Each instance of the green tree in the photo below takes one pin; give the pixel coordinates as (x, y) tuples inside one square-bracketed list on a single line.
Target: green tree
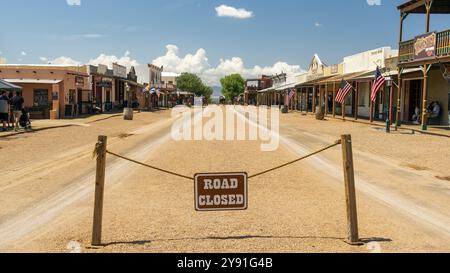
[(192, 83), (232, 86), (207, 92)]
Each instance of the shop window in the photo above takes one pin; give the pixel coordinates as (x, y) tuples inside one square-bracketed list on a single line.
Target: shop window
[(363, 95), (40, 98)]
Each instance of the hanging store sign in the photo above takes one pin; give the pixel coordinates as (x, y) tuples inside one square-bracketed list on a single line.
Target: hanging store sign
[(221, 192), (334, 69), (425, 46), (79, 80)]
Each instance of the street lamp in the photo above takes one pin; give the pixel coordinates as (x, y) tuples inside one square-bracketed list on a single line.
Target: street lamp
[(128, 111), (127, 91), (390, 85)]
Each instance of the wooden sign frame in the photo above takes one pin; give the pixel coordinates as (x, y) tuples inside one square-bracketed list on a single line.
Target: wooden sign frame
[(224, 191)]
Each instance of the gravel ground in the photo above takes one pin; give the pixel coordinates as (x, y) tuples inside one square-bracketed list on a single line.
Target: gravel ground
[(297, 209)]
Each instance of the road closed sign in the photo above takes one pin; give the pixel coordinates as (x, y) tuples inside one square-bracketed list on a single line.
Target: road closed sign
[(221, 191)]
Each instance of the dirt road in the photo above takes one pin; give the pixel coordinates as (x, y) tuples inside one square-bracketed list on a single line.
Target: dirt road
[(48, 202)]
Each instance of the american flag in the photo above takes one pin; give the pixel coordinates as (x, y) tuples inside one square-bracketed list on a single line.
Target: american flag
[(378, 83), (343, 91), (292, 94), (158, 92)]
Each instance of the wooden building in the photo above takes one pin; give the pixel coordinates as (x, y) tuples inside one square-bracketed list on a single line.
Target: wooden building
[(429, 52), (323, 82), (253, 86)]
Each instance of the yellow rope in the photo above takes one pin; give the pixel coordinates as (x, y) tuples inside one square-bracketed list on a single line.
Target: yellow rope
[(338, 142), (149, 166)]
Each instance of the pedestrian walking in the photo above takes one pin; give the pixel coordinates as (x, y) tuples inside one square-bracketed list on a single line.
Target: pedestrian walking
[(17, 104), (4, 110)]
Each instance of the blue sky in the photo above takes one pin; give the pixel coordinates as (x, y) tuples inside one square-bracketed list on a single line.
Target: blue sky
[(287, 32)]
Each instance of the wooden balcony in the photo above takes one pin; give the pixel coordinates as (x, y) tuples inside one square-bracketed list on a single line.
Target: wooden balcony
[(406, 49)]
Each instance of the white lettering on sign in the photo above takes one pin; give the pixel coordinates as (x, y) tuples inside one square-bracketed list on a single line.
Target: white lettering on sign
[(221, 200), (218, 184), (220, 192)]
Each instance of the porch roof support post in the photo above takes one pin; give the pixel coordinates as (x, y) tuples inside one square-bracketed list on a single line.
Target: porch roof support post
[(425, 98), (334, 99), (314, 99), (371, 102), (356, 100), (428, 5), (326, 98)]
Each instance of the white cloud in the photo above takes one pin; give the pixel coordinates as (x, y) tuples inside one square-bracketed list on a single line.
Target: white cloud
[(317, 24), (76, 37), (73, 2), (228, 11), (23, 53), (110, 59), (64, 61), (198, 63), (374, 2), (43, 59), (193, 63)]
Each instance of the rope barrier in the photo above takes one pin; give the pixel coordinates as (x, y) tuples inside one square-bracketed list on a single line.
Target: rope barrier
[(338, 142), (151, 167)]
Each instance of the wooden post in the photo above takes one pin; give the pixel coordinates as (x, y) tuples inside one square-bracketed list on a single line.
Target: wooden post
[(334, 99), (399, 94), (296, 100), (99, 191), (391, 104), (326, 99), (306, 99), (425, 98), (371, 103), (428, 5), (356, 100), (350, 191), (314, 100)]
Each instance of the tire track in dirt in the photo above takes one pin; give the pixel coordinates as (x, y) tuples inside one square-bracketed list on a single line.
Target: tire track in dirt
[(426, 216), (27, 225), (26, 174)]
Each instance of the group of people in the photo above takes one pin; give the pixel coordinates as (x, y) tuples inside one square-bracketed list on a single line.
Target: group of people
[(10, 110), (433, 111)]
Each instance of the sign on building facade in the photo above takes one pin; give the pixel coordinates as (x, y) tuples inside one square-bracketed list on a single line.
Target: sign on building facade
[(425, 46)]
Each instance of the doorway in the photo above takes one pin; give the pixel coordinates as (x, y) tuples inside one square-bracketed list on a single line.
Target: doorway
[(80, 101), (415, 98)]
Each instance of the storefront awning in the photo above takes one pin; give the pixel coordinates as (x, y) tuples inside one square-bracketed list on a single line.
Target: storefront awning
[(270, 89), (370, 75), (346, 77), (287, 86), (4, 85), (314, 82), (19, 81)]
